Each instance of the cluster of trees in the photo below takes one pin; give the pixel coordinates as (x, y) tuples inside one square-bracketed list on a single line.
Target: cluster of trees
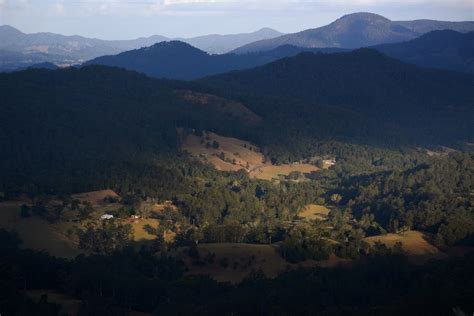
[(130, 280), (435, 196), (105, 237)]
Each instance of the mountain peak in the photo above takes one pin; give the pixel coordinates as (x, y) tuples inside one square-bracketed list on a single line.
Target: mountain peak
[(173, 46), (360, 29), (267, 31), (366, 16), (9, 30), (172, 43)]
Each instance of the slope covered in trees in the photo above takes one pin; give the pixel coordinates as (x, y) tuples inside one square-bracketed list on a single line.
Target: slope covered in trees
[(64, 125), (361, 96), (178, 60), (438, 49), (72, 130)]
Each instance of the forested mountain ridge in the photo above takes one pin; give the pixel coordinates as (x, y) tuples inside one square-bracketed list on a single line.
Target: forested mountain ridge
[(179, 60), (445, 49), (357, 30), (362, 95), (357, 97), (438, 49)]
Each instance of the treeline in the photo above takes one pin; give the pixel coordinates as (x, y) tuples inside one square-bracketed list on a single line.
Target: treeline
[(129, 280), (75, 130), (436, 197), (360, 96)]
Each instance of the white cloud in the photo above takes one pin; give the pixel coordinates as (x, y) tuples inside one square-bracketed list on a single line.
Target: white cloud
[(58, 9), (207, 7)]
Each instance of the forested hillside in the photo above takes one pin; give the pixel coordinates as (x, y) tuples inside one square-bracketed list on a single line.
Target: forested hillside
[(70, 128), (438, 49), (178, 60), (360, 96), (353, 117)]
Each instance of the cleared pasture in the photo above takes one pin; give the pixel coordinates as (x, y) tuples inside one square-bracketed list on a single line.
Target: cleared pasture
[(414, 243), (233, 154), (314, 211)]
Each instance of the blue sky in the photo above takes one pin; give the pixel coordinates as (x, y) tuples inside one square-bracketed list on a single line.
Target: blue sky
[(123, 19)]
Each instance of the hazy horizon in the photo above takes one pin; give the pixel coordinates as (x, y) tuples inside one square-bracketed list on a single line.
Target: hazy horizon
[(190, 18)]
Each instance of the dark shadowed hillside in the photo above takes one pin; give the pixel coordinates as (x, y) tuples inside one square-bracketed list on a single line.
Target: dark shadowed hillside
[(438, 49), (370, 96), (87, 122), (173, 59)]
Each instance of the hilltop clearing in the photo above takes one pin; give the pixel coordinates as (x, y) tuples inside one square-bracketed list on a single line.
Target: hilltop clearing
[(232, 154)]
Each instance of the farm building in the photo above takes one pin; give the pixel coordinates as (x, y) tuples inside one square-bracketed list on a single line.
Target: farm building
[(106, 216)]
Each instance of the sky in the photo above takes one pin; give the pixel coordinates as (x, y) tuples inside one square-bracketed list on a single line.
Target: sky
[(127, 19)]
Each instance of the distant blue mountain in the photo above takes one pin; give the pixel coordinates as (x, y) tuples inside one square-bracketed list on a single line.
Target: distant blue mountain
[(355, 31)]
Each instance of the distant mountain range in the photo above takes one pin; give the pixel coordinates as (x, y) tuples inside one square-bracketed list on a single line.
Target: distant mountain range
[(446, 49), (221, 44), (357, 30), (410, 41), (178, 60), (28, 49), (438, 49)]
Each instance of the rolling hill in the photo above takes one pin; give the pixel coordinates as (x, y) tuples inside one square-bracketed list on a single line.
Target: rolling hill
[(355, 31), (438, 49), (362, 95), (178, 60)]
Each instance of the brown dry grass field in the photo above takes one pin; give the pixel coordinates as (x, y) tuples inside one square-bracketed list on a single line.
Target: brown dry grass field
[(239, 154), (139, 233), (270, 172), (416, 244), (314, 211)]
